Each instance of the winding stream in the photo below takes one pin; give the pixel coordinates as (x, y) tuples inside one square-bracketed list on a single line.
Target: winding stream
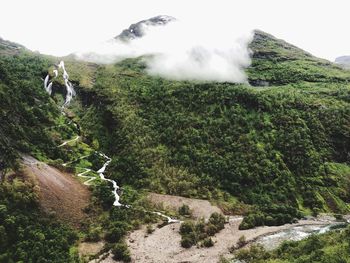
[(69, 95), (114, 183), (66, 142)]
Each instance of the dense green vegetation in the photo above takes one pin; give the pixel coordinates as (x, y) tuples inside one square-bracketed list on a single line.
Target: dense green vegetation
[(276, 149), (26, 235), (30, 124), (24, 105), (276, 62), (283, 150), (200, 233), (330, 247)]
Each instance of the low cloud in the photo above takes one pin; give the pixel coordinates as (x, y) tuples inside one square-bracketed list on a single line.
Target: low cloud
[(184, 50)]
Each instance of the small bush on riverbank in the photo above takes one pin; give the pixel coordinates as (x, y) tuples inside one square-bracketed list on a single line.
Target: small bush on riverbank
[(208, 242), (121, 252), (149, 229), (200, 232), (184, 210)]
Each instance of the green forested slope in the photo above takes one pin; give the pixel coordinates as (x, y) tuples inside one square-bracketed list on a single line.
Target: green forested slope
[(283, 149), (25, 107), (275, 149), (277, 62), (28, 124)]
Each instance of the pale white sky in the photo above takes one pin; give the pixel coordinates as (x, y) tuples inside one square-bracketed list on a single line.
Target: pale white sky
[(61, 27)]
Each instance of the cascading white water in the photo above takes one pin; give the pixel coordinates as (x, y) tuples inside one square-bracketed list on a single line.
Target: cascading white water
[(114, 183), (90, 178), (47, 87), (69, 86), (99, 172)]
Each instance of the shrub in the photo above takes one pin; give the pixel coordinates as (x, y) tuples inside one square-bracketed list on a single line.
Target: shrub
[(184, 210), (186, 228), (149, 229), (218, 220), (93, 235), (120, 251), (200, 232), (188, 241), (116, 232), (241, 242), (208, 242), (211, 229)]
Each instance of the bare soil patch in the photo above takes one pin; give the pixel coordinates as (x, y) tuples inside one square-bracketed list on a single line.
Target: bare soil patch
[(90, 248), (59, 193), (199, 207)]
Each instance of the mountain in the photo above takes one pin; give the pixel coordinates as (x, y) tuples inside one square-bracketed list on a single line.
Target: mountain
[(274, 150), (138, 29), (10, 47), (343, 61), (276, 62)]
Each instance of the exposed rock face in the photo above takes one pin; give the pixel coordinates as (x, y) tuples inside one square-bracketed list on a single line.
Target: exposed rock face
[(343, 61), (138, 30)]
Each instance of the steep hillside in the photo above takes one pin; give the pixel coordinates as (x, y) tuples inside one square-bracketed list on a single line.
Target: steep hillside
[(276, 62), (279, 149), (274, 150), (36, 201), (26, 233), (59, 193), (39, 204), (10, 48), (25, 107)]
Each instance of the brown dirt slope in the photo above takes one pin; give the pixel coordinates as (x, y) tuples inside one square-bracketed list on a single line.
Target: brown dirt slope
[(59, 192)]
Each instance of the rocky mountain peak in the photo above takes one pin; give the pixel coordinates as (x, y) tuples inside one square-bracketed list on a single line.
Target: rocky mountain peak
[(138, 29)]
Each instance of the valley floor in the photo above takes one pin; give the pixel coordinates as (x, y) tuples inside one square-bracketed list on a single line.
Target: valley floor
[(64, 195), (163, 245)]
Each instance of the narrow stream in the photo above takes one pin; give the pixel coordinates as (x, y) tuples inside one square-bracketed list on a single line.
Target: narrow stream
[(69, 95)]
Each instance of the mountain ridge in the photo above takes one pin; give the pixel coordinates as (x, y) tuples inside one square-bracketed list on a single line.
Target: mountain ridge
[(137, 30), (273, 151)]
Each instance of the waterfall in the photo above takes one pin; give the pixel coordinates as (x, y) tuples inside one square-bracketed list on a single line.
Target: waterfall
[(100, 172), (70, 92)]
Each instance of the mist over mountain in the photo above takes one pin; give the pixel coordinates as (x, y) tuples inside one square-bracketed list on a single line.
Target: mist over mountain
[(343, 61), (180, 50)]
